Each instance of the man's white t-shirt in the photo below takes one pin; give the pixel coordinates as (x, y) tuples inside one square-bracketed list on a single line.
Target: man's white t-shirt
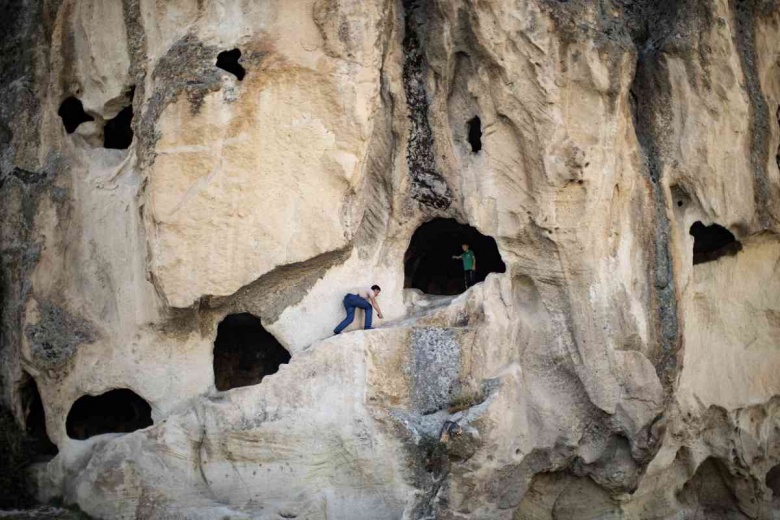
[(367, 293)]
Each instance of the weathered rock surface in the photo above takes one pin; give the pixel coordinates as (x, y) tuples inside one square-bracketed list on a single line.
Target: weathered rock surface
[(607, 373)]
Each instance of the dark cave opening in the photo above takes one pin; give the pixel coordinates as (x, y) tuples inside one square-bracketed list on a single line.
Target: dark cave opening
[(777, 155), (475, 134), (711, 491), (773, 481), (118, 132), (244, 352), (72, 113), (116, 411), (712, 242), (35, 419), (228, 61), (428, 262)]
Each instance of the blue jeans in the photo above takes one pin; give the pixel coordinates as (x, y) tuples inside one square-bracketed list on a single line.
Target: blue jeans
[(352, 301)]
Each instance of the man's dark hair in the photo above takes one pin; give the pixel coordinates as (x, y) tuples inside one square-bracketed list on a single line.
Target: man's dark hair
[(376, 288)]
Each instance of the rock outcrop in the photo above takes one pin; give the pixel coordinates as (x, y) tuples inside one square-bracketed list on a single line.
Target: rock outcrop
[(165, 165)]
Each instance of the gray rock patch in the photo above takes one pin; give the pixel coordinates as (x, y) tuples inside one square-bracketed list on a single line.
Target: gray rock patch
[(435, 368), (57, 335)]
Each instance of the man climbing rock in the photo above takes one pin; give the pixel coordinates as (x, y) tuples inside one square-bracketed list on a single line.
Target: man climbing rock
[(366, 300), (469, 265)]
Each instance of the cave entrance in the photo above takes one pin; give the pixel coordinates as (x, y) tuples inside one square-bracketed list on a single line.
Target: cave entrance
[(118, 132), (773, 481), (711, 492), (72, 113), (228, 61), (712, 242), (428, 263), (35, 418), (116, 411), (244, 352), (475, 134)]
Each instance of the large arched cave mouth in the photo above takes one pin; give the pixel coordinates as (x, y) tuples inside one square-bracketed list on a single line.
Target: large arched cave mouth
[(712, 242), (35, 419), (116, 411), (244, 352), (428, 263)]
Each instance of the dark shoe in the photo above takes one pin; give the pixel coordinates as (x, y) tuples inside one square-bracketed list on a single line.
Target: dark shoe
[(368, 328)]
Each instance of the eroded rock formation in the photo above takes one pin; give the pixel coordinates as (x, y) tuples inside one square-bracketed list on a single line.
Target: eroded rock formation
[(165, 165)]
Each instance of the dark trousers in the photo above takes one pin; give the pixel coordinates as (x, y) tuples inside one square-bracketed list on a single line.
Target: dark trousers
[(471, 277), (351, 302)]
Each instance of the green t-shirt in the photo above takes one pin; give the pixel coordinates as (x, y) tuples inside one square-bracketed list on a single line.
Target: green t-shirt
[(468, 260)]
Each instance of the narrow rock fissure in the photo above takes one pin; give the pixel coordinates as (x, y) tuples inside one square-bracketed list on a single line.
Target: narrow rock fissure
[(228, 61), (475, 134), (777, 155), (72, 113), (35, 419), (428, 185), (244, 352), (116, 411), (429, 264)]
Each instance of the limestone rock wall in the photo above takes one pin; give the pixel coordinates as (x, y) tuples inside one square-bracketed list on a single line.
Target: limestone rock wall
[(607, 373)]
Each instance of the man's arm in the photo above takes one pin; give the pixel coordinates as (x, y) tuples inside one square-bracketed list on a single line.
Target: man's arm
[(375, 305)]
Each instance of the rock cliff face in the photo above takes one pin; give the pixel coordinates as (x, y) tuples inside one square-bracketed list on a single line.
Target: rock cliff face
[(190, 187)]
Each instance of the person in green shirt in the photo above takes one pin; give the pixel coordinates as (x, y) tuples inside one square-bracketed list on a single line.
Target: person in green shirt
[(469, 265)]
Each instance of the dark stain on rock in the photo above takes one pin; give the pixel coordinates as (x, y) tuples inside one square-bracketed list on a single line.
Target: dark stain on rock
[(745, 13), (650, 104), (56, 336), (136, 42), (435, 368), (28, 177), (272, 293), (187, 68), (428, 185)]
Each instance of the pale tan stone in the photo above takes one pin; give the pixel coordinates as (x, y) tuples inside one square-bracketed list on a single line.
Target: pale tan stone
[(601, 375)]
